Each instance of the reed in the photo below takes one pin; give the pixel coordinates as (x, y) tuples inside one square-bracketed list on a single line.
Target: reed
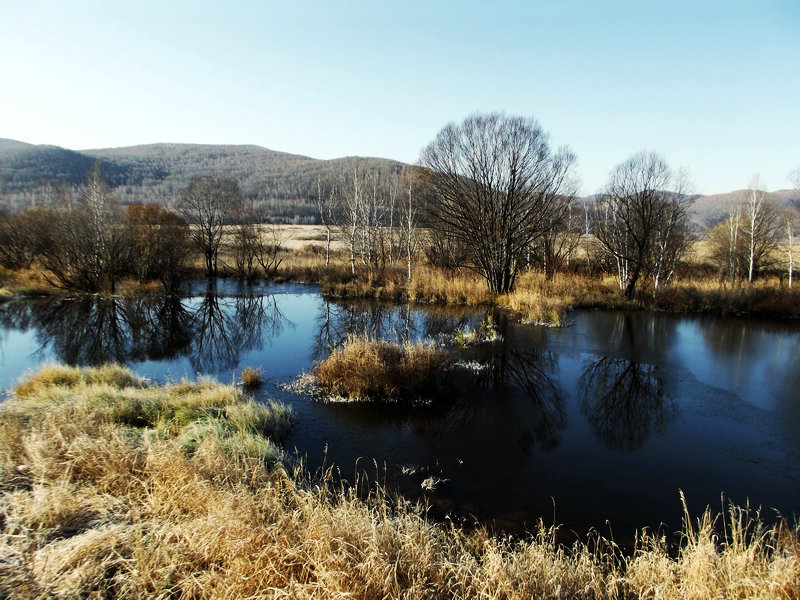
[(93, 508)]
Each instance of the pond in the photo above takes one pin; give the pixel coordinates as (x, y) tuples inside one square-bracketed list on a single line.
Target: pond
[(598, 425)]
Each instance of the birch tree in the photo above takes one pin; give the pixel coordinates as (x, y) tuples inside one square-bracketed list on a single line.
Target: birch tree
[(788, 227), (760, 227), (327, 207)]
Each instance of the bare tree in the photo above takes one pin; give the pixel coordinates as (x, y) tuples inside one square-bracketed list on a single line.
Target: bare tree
[(351, 213), (207, 204), (726, 245), (761, 227), (641, 220), (794, 178), (789, 218), (495, 184), (84, 243), (553, 250), (409, 212), (19, 240), (327, 209), (160, 245)]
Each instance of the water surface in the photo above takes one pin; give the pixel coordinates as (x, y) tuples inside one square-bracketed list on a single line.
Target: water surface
[(595, 425)]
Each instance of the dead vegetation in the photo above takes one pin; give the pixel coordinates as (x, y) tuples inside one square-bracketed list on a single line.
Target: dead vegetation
[(367, 369), (102, 497)]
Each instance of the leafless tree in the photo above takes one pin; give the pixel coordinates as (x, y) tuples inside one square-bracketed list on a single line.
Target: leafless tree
[(19, 238), (794, 178), (255, 252), (207, 204), (351, 213), (495, 184), (408, 216), (85, 245), (160, 246), (726, 245), (327, 205), (760, 227), (641, 220), (554, 249), (789, 218)]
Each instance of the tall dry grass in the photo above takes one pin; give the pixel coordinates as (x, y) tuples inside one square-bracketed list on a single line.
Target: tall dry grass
[(94, 507), (368, 369)]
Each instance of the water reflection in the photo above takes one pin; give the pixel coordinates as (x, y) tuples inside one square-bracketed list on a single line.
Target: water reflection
[(531, 373), (224, 328), (212, 331), (337, 320), (624, 401)]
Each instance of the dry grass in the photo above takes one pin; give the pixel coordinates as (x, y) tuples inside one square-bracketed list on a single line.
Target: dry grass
[(536, 298), (365, 369), (251, 377), (92, 508), (24, 282)]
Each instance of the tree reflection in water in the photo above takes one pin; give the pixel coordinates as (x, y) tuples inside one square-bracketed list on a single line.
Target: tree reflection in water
[(531, 371), (376, 320), (624, 401), (86, 330), (91, 330), (226, 327)]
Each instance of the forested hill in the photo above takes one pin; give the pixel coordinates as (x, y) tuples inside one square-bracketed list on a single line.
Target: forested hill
[(281, 185)]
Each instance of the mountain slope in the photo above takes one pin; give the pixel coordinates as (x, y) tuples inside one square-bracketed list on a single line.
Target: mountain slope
[(707, 211), (280, 184)]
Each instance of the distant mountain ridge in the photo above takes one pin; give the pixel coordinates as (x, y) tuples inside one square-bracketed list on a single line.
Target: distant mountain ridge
[(280, 184)]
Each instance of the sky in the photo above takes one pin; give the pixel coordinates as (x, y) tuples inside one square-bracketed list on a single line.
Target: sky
[(713, 86)]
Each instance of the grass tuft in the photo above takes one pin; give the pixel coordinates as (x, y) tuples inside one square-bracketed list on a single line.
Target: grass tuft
[(366, 369), (251, 377)]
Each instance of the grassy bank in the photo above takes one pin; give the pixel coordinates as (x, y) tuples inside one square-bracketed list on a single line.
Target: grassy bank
[(538, 299), (115, 489)]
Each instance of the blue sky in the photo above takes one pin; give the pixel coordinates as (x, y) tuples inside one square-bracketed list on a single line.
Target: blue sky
[(713, 86)]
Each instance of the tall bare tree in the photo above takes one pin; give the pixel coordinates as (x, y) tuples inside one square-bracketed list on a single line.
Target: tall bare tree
[(409, 215), (641, 220), (207, 204), (760, 227), (85, 244), (327, 207), (495, 184), (789, 218)]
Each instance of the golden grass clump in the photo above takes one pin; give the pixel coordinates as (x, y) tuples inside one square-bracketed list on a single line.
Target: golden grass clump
[(107, 512), (366, 369), (251, 377)]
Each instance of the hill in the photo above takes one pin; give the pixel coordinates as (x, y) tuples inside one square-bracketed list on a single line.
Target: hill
[(707, 211), (280, 184)]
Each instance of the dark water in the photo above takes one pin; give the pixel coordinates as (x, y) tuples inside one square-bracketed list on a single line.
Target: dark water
[(596, 425)]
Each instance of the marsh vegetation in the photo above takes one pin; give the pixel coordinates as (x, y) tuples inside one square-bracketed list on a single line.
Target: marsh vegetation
[(118, 489)]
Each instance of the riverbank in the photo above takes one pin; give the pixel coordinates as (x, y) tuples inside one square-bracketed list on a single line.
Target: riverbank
[(115, 488), (542, 300), (535, 299)]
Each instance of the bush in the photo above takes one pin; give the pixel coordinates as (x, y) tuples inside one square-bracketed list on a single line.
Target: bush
[(366, 369)]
